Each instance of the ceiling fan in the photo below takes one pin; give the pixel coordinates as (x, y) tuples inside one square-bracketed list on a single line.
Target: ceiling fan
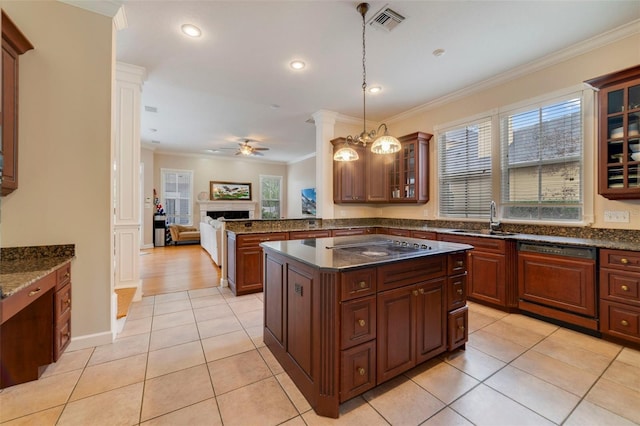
[(246, 149)]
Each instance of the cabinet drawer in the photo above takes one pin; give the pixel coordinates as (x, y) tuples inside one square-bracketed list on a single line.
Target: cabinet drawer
[(62, 301), (63, 276), (408, 272), (620, 259), (479, 243), (425, 235), (358, 321), (358, 283), (457, 323), (62, 335), (620, 286), (457, 263), (355, 231), (253, 240), (302, 235), (398, 232), (20, 300), (620, 320), (456, 292), (357, 370)]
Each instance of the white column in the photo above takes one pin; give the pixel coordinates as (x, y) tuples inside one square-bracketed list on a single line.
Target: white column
[(126, 177), (325, 122)]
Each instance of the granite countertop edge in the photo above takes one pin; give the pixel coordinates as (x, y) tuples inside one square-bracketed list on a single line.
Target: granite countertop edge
[(12, 282), (550, 239)]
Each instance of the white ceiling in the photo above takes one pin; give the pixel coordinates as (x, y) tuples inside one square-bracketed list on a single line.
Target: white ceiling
[(213, 91)]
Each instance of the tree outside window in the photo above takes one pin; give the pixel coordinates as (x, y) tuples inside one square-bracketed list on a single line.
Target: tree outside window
[(270, 197)]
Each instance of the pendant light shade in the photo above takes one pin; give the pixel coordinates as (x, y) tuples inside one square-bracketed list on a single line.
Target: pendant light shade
[(346, 153), (385, 144)]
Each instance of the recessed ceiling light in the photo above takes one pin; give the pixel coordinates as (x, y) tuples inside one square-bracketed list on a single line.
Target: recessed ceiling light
[(191, 30), (154, 141), (375, 89), (438, 52), (274, 106), (297, 65), (153, 130)]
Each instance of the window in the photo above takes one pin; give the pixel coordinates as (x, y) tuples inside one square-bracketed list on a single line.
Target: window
[(177, 190), (270, 197), (464, 177), (542, 161)]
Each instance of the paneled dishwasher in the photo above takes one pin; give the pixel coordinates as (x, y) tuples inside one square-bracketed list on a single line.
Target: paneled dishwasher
[(558, 282)]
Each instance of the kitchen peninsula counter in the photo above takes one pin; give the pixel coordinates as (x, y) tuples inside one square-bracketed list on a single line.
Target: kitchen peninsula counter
[(345, 314)]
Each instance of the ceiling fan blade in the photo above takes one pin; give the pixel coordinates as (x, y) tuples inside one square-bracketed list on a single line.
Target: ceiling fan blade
[(238, 153), (259, 154), (261, 149)]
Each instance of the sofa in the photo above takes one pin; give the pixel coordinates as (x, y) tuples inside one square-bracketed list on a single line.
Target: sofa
[(184, 234), (211, 238)]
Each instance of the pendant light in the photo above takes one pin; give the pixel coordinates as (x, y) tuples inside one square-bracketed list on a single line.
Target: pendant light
[(384, 144)]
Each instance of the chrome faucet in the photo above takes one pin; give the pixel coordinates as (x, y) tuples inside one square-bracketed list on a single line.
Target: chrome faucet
[(493, 222)]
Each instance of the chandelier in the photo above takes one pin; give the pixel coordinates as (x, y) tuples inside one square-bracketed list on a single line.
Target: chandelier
[(384, 144)]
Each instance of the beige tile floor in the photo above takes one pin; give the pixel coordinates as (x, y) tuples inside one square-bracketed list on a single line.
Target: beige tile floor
[(197, 358)]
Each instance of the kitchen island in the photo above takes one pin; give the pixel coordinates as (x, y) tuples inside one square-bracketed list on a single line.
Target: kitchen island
[(344, 314)]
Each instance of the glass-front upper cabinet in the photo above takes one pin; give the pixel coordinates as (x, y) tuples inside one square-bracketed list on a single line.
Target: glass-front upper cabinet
[(408, 172), (619, 136)]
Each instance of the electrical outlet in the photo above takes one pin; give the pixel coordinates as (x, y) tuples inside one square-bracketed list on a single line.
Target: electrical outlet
[(616, 216)]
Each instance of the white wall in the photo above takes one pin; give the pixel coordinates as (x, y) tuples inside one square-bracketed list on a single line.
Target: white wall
[(300, 175), (571, 72), (208, 168), (65, 148)]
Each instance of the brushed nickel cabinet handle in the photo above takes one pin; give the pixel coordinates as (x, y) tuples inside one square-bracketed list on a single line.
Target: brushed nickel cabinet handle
[(415, 292), (421, 291), (624, 288), (460, 263), (33, 292), (67, 302), (624, 260), (361, 323), (461, 328), (624, 323), (362, 284), (67, 274), (361, 371)]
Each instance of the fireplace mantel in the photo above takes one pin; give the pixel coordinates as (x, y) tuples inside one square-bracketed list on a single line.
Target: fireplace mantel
[(206, 206)]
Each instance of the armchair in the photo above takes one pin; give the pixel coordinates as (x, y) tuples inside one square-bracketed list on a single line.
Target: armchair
[(181, 233)]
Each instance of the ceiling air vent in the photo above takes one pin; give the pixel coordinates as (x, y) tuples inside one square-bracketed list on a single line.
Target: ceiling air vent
[(148, 108), (386, 19)]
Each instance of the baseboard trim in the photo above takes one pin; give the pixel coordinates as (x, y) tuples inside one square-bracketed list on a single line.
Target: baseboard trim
[(147, 246), (90, 341)]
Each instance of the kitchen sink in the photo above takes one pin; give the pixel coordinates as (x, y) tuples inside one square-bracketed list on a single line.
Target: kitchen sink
[(483, 232)]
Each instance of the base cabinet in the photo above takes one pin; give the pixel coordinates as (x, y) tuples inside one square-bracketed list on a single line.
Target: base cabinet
[(339, 334), (620, 294), (492, 272), (36, 327)]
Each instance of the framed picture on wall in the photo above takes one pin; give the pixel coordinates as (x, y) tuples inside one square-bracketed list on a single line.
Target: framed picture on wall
[(309, 201), (229, 191)]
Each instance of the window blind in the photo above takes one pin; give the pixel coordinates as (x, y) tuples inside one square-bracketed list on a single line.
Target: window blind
[(464, 177), (542, 169), (177, 190)]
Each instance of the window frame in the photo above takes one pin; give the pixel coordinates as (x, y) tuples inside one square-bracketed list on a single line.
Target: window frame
[(280, 190), (163, 198)]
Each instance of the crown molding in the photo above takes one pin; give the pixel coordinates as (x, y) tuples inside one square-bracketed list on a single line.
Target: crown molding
[(622, 32), (103, 7), (130, 73), (299, 159)]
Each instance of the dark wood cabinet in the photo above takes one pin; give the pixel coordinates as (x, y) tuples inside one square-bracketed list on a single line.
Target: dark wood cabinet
[(305, 235), (35, 328), (244, 260), (409, 170), (14, 44), (619, 134), (425, 235), (340, 333), (402, 177), (620, 294), (491, 267), (351, 231), (349, 176)]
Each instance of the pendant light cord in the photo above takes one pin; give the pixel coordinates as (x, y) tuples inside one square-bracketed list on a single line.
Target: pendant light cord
[(363, 12)]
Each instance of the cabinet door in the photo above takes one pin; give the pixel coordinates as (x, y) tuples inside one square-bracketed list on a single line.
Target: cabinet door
[(458, 328), (349, 176), (396, 332), (9, 118), (248, 270), (377, 177), (408, 172), (431, 319), (487, 276)]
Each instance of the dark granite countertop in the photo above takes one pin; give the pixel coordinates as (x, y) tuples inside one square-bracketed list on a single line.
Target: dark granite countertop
[(22, 266), (341, 253), (619, 239)]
